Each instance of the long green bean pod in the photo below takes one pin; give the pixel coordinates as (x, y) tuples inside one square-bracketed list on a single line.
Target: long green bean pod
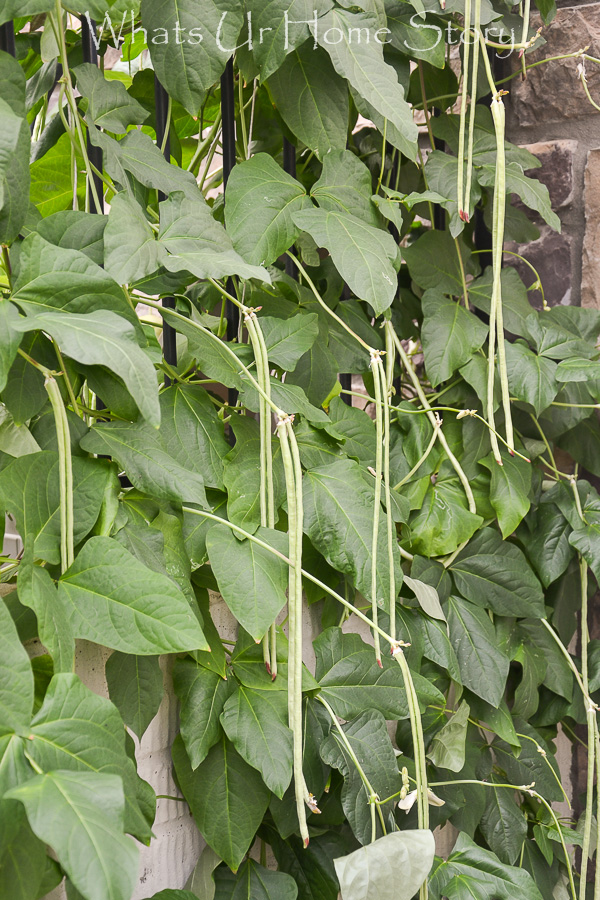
[(387, 387), (498, 114), (463, 208), (294, 621), (473, 107), (65, 472), (378, 379)]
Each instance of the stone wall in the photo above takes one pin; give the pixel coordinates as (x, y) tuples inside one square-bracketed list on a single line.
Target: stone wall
[(549, 113)]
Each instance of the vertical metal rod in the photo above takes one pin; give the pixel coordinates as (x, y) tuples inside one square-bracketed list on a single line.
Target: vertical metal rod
[(7, 38), (161, 101), (90, 55), (228, 142), (228, 139)]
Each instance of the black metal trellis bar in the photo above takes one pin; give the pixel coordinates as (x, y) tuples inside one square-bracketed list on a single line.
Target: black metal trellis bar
[(7, 38), (228, 143), (161, 102), (90, 55), (482, 236)]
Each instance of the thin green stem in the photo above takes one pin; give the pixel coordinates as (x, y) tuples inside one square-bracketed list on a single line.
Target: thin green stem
[(424, 456), (290, 562), (322, 303), (373, 799), (431, 415)]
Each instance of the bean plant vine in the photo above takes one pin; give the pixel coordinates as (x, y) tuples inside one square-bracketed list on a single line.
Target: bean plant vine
[(276, 438)]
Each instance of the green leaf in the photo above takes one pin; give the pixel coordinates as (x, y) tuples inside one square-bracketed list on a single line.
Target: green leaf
[(389, 209), (409, 35), (37, 591), (531, 378), (135, 686), (531, 764), (252, 580), (433, 263), (346, 186), (190, 239), (192, 433), (450, 335), (392, 868), (143, 453), (241, 475), (80, 815), (22, 855), (187, 66), (479, 872), (292, 399), (281, 27), (16, 677), (136, 154), (104, 339), (288, 340), (358, 430), (447, 749), (483, 666), (310, 97), (109, 104), (74, 229), (362, 63), (30, 491), (250, 670), (131, 251), (532, 192), (10, 338), (368, 736), (77, 730), (558, 676), (495, 573), (510, 489), (577, 370), (586, 540), (115, 600), (14, 149), (13, 8), (548, 546), (260, 202), (202, 695), (227, 797), (582, 443), (441, 171), (52, 278), (201, 881), (515, 304), (442, 523), (254, 882), (312, 868), (504, 825), (169, 894), (338, 519), (351, 681), (362, 254), (256, 724), (427, 596)]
